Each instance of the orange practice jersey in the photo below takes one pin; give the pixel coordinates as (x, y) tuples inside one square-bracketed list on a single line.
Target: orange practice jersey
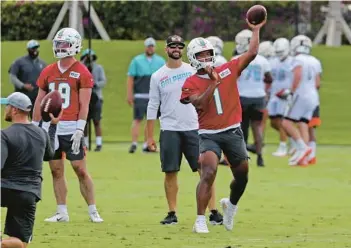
[(68, 84), (224, 110)]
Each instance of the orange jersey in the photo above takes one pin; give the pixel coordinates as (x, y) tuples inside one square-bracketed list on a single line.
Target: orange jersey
[(224, 110), (68, 84)]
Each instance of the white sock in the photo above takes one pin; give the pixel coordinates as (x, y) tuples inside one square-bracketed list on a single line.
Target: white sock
[(292, 143), (145, 145), (86, 141), (135, 143), (99, 141), (300, 144), (201, 218), (62, 209), (92, 209), (313, 145), (283, 144)]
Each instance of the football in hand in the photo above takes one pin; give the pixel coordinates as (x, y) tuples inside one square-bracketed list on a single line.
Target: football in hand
[(51, 103), (256, 14)]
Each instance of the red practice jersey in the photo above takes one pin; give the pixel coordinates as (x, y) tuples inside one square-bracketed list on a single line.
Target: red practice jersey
[(224, 110), (68, 84)]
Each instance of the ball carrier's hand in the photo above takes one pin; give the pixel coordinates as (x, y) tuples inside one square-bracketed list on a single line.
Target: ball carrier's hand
[(258, 26), (212, 74)]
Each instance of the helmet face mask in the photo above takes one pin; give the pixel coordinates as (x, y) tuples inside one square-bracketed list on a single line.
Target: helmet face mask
[(242, 40), (67, 43), (281, 48), (200, 53)]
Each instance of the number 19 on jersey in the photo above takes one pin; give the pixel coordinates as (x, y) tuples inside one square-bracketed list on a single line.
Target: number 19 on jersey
[(65, 91)]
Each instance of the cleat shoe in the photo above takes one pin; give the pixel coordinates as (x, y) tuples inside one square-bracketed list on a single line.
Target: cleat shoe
[(95, 217), (215, 218), (229, 211), (200, 226), (98, 149), (58, 218), (132, 148), (170, 219)]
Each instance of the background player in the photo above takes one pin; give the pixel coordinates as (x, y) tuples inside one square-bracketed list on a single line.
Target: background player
[(282, 79), (138, 86), (218, 46), (304, 101), (252, 90), (73, 80), (214, 93), (23, 148), (179, 125)]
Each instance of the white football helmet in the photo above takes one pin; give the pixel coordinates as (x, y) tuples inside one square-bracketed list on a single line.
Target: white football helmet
[(199, 45), (67, 42), (217, 43), (242, 40), (301, 44), (281, 48), (266, 49)]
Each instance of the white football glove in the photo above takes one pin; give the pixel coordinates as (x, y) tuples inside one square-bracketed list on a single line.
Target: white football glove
[(77, 140)]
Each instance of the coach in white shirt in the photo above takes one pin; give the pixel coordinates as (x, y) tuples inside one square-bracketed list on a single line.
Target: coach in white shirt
[(179, 125)]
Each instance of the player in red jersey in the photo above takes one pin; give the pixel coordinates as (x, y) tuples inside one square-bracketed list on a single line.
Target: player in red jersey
[(73, 80), (214, 93)]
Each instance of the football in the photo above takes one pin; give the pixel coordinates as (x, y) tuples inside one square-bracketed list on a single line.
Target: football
[(51, 103), (256, 14)]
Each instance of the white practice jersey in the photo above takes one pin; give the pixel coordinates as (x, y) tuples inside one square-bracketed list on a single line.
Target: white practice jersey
[(307, 85), (251, 81), (220, 60), (165, 91), (282, 74)]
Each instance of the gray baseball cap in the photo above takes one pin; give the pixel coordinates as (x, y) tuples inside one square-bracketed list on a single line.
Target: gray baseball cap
[(149, 42), (32, 44), (18, 100)]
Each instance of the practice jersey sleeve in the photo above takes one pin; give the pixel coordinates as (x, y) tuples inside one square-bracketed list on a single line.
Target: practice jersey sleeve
[(318, 66), (154, 99), (266, 66), (4, 150), (188, 89), (233, 65), (86, 80), (132, 70)]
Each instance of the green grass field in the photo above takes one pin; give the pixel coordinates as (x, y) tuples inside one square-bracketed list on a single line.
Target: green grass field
[(282, 207), (116, 55)]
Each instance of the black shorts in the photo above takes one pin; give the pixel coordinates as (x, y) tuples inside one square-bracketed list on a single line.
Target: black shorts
[(95, 111), (20, 216), (173, 144), (65, 146), (316, 112), (140, 108), (253, 108), (231, 142)]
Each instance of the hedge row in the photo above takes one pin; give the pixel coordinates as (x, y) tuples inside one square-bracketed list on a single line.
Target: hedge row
[(136, 20)]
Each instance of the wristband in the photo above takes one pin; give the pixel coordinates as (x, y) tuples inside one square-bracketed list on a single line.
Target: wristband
[(81, 124), (36, 123)]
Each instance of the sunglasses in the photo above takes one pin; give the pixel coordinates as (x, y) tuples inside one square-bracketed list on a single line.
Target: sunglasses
[(180, 46)]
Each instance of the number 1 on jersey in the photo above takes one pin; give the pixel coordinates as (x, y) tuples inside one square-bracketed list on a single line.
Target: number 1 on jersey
[(218, 102)]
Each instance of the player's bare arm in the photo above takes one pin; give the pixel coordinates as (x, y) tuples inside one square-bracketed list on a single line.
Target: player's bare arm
[(201, 101), (251, 54), (36, 112), (130, 86)]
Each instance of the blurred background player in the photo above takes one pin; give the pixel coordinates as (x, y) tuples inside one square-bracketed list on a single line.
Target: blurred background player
[(25, 71), (74, 81), (282, 79), (179, 126), (304, 99), (266, 50), (214, 93), (252, 90), (218, 46), (23, 148), (138, 86), (96, 101)]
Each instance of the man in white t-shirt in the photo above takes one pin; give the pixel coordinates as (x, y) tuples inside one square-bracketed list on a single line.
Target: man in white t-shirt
[(252, 90), (179, 126)]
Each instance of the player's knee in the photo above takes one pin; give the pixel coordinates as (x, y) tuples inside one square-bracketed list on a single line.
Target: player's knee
[(57, 173), (96, 123)]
